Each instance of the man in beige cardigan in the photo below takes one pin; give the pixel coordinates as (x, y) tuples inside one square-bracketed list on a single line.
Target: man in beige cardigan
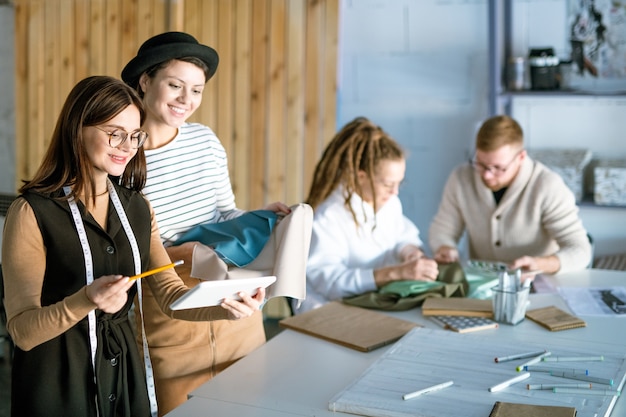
[(514, 210)]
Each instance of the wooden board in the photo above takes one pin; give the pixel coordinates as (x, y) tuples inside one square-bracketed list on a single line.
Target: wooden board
[(454, 306), (353, 327)]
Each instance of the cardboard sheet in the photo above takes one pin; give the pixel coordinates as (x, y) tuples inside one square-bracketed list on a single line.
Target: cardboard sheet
[(353, 327), (454, 306)]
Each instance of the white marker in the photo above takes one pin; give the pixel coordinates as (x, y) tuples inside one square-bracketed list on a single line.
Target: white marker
[(551, 386), (532, 368), (586, 391), (426, 390), (509, 382), (533, 361), (573, 359)]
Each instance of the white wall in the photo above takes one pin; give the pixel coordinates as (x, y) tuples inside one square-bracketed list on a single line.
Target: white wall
[(418, 68), (7, 105)]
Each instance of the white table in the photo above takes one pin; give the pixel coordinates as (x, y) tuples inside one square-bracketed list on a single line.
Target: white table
[(295, 374)]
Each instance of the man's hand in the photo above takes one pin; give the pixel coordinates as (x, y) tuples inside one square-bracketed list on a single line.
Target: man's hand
[(447, 254), (544, 264)]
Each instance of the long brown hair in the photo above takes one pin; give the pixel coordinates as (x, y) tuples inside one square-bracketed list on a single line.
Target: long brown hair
[(359, 146), (92, 101)]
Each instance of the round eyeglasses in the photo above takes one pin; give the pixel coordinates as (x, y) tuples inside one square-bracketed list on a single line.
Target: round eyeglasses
[(495, 170), (118, 136)]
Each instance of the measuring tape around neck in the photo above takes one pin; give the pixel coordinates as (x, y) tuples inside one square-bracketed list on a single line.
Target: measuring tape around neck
[(82, 235)]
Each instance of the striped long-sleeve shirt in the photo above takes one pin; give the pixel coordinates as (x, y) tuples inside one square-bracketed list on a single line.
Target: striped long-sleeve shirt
[(188, 182)]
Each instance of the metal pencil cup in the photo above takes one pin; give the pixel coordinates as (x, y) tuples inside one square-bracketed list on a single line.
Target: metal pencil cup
[(509, 307)]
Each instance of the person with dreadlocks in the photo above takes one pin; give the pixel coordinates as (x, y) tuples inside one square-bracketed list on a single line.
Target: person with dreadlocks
[(361, 240)]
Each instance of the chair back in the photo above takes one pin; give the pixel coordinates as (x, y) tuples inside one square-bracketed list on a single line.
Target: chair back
[(591, 242)]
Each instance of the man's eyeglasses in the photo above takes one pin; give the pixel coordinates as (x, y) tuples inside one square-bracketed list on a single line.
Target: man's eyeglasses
[(118, 136), (495, 169)]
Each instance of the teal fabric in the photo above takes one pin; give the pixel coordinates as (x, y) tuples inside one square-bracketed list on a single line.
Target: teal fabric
[(480, 286), (238, 241)]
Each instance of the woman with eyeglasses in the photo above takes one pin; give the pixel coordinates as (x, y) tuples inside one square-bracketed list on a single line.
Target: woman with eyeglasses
[(79, 229), (514, 210), (361, 239)]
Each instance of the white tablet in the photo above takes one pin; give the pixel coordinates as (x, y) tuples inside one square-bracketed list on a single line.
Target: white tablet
[(211, 293)]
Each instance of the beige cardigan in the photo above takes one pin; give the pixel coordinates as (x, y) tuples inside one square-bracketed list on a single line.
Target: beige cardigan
[(537, 216)]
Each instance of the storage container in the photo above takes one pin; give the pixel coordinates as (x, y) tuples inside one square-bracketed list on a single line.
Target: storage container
[(570, 164), (609, 177)]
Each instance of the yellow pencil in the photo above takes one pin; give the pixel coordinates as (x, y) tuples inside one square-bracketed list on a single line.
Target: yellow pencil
[(156, 270)]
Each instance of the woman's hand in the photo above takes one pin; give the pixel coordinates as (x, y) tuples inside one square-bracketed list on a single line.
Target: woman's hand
[(411, 252), (422, 269), (246, 307), (278, 208), (109, 292)]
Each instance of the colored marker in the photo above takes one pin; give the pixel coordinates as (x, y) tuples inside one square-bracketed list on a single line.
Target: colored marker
[(427, 390), (546, 369), (573, 359), (597, 380), (586, 391), (552, 386), (533, 361), (519, 356), (509, 382)]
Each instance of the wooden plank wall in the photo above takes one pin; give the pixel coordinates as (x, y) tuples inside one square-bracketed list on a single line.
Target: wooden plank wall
[(271, 102)]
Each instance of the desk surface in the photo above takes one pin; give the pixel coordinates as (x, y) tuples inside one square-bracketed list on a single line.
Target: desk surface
[(295, 374)]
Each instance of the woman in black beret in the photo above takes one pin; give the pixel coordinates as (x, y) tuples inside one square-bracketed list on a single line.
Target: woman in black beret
[(188, 184)]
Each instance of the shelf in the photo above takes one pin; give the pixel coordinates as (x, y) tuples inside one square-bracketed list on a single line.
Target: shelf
[(587, 201), (500, 17), (562, 93), (501, 100)]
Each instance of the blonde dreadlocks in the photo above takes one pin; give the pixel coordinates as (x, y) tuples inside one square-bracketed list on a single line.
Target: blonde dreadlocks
[(359, 146)]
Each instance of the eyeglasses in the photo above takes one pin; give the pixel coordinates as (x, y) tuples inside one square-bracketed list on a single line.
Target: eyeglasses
[(494, 170), (118, 136)]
